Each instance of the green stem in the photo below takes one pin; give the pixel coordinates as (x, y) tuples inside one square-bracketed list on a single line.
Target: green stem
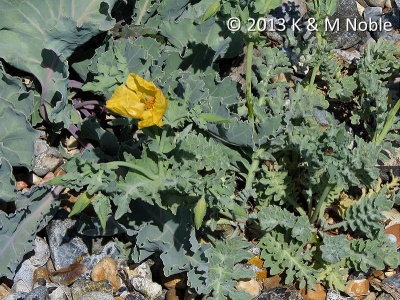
[(116, 164), (378, 138), (314, 74), (161, 149), (299, 209), (249, 63), (253, 168), (321, 202), (334, 226)]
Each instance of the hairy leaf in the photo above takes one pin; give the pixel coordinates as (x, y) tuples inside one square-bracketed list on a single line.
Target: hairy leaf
[(224, 269)]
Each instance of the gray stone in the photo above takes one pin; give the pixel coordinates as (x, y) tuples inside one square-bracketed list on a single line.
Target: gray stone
[(149, 289), (142, 270), (47, 158), (335, 295), (96, 296), (375, 14), (348, 58), (394, 281), (15, 296), (109, 250), (39, 293), (82, 287), (58, 292), (23, 279), (65, 243), (393, 16), (42, 252), (135, 296), (376, 3), (280, 293), (347, 10)]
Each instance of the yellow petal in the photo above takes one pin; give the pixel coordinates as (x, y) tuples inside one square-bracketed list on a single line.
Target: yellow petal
[(139, 99), (140, 85), (125, 102)]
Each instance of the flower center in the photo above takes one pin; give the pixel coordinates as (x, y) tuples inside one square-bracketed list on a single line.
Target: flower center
[(149, 101)]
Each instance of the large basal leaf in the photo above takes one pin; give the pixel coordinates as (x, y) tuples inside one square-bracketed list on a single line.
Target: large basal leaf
[(7, 181), (14, 94), (17, 138), (38, 36), (18, 230)]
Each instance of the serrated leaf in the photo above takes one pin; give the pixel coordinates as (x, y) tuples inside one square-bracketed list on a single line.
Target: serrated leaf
[(335, 248), (160, 231), (124, 56), (102, 207), (46, 38), (281, 255), (224, 270), (81, 203), (365, 213)]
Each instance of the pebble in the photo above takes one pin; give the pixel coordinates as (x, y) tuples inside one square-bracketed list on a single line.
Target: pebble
[(135, 296), (82, 287), (60, 292), (177, 281), (96, 296), (393, 280), (39, 293), (16, 296), (68, 275), (317, 294), (251, 287), (42, 252), (65, 243), (109, 250), (23, 279), (280, 293), (376, 3), (47, 158), (107, 269), (4, 290), (347, 10), (335, 295), (40, 273), (174, 294), (347, 58), (149, 289), (357, 287), (142, 270)]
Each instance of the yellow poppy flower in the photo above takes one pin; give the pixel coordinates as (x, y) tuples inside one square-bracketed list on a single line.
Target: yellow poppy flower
[(139, 99)]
